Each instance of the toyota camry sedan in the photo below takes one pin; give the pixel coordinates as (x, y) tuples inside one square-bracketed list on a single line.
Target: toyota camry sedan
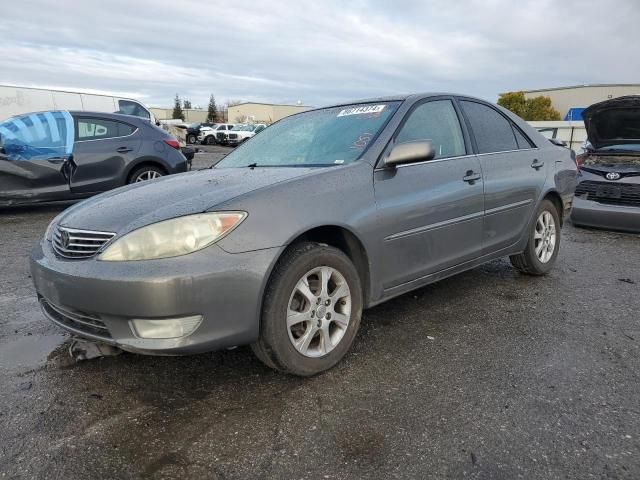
[(284, 243)]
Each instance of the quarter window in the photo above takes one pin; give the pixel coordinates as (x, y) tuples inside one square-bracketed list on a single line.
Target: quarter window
[(523, 142), (493, 132), (436, 121)]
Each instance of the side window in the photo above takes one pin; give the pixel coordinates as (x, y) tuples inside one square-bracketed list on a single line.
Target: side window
[(128, 107), (436, 121), (493, 132), (523, 142), (125, 129), (96, 129)]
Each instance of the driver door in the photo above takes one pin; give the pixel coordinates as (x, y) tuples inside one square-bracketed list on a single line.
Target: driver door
[(34, 157)]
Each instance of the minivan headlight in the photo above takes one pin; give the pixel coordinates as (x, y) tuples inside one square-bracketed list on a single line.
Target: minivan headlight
[(171, 238)]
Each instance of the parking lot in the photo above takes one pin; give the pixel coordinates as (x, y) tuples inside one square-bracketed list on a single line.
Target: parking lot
[(489, 374)]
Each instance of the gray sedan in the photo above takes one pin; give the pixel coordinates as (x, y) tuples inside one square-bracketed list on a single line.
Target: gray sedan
[(285, 241)]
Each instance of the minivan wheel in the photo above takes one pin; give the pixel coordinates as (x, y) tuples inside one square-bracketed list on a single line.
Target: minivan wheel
[(542, 248), (145, 173), (311, 310)]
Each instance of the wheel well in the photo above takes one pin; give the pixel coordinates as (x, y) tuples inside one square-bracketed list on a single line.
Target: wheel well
[(146, 163), (348, 243), (557, 201)]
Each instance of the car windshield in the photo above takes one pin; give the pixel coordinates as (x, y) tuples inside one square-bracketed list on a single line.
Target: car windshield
[(330, 136), (37, 136)]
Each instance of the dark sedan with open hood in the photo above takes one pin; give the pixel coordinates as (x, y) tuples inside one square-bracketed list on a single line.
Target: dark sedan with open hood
[(608, 193)]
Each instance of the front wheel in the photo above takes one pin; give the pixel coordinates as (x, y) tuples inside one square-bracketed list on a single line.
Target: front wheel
[(312, 310), (191, 139), (541, 251), (210, 140)]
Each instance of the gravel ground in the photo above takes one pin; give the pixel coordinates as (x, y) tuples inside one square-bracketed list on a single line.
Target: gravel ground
[(489, 374)]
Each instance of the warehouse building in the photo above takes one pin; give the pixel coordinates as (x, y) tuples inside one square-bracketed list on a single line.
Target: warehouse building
[(250, 112), (570, 101)]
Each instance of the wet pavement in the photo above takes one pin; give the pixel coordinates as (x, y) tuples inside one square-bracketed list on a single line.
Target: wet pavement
[(489, 374)]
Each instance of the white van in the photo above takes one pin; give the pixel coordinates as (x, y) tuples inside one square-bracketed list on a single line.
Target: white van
[(573, 133), (19, 100)]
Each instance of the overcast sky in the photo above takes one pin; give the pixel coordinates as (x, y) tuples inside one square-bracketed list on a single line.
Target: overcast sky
[(316, 51)]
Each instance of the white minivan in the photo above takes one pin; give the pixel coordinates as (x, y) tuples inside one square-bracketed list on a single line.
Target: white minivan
[(20, 100)]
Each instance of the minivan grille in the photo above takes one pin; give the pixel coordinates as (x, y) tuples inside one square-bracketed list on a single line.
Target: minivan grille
[(627, 194), (74, 320), (74, 243)]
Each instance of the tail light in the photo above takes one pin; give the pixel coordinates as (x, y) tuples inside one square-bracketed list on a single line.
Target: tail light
[(173, 144)]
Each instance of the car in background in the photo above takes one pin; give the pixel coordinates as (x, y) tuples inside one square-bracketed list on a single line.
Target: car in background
[(284, 242), (193, 131), (209, 135), (243, 133), (62, 155), (608, 191)]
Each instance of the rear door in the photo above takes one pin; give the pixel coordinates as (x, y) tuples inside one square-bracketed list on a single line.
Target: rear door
[(513, 170), (430, 212), (101, 152), (34, 157)]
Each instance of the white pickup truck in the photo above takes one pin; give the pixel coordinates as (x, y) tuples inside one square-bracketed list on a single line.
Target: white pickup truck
[(241, 133), (215, 133)]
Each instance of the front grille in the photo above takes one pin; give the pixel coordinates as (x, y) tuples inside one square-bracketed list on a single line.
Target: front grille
[(73, 243), (233, 136), (77, 322), (220, 135), (608, 193)]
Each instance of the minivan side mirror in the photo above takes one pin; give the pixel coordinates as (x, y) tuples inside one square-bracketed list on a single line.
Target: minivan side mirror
[(410, 152)]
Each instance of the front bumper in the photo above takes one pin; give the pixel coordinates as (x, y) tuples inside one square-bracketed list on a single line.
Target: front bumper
[(96, 299), (589, 213)]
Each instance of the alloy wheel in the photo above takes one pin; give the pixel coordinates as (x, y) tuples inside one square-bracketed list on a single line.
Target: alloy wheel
[(544, 237), (147, 175), (319, 311)]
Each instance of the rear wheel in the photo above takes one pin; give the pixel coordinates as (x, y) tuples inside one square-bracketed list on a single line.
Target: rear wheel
[(542, 248), (144, 173), (312, 310)]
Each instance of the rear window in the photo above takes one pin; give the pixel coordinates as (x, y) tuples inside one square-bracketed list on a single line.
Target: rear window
[(493, 132)]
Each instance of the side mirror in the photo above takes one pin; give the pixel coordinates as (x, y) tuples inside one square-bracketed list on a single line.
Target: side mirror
[(410, 152)]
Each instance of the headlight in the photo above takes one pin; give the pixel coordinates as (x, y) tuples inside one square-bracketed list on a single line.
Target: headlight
[(172, 238)]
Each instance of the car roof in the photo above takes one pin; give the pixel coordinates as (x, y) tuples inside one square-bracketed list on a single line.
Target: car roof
[(110, 116), (400, 98)]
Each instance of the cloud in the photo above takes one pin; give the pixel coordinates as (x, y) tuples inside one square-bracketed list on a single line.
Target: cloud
[(316, 51)]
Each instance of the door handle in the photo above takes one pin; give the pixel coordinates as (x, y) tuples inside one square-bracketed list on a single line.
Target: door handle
[(124, 150), (471, 177), (537, 164)]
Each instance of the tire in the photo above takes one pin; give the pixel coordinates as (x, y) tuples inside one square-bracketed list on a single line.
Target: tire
[(531, 262), (191, 139), (144, 173), (327, 338), (210, 140)]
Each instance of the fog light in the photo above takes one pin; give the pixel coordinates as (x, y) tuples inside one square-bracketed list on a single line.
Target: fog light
[(165, 328)]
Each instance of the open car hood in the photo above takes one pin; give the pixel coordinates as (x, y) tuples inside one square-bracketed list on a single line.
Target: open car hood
[(613, 122)]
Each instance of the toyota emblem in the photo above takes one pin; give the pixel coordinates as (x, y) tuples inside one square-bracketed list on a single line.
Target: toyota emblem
[(612, 176), (64, 238)]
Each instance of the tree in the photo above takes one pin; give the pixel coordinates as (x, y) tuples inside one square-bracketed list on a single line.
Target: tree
[(177, 109), (212, 114), (186, 104), (536, 108)]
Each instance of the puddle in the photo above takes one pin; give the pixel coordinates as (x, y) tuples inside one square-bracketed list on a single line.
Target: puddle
[(30, 351)]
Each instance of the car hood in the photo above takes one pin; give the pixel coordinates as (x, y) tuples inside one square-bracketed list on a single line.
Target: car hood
[(127, 208), (613, 122)]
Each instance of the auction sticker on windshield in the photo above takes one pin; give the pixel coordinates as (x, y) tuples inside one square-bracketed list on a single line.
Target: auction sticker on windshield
[(361, 110)]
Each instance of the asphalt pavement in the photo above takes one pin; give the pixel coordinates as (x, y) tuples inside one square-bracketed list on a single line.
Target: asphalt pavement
[(489, 374)]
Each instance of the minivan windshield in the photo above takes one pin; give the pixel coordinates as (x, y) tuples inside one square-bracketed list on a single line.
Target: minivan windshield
[(324, 137)]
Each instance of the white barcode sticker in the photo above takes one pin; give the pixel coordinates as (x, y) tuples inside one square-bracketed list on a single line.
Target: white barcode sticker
[(361, 110)]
